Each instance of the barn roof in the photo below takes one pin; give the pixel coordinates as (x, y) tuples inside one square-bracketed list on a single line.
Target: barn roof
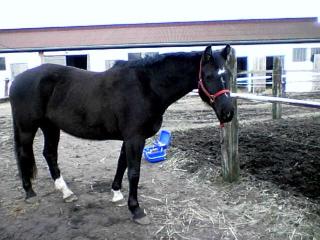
[(290, 30)]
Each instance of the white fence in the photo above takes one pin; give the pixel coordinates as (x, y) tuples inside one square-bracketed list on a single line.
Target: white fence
[(295, 102)]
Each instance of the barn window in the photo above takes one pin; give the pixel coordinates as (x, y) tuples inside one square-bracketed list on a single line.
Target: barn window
[(56, 59), (139, 55), (78, 61), (242, 66), (2, 63), (149, 54), (134, 56), (314, 51), (299, 55)]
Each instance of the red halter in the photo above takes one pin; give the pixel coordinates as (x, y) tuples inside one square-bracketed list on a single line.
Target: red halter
[(212, 97)]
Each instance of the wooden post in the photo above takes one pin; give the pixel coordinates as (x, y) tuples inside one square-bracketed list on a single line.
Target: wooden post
[(316, 68), (41, 55), (229, 133), (6, 87), (276, 87), (316, 63)]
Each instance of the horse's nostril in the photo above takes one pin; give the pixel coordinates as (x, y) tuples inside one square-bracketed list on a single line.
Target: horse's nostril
[(227, 116)]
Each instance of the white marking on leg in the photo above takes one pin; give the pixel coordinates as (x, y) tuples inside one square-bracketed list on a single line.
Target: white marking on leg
[(117, 195), (61, 185)]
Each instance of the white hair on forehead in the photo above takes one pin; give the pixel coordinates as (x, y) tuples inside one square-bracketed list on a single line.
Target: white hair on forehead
[(221, 70)]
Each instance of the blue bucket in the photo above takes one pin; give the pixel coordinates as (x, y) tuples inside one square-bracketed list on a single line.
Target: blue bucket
[(154, 154), (157, 152)]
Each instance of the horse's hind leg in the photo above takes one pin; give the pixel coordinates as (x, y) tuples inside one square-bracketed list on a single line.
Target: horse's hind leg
[(117, 182), (25, 158), (50, 152), (134, 148)]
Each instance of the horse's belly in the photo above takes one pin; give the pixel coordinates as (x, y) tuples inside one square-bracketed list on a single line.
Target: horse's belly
[(87, 129), (92, 133)]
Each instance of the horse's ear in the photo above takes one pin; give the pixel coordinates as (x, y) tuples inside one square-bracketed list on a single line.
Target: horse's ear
[(207, 54), (226, 52)]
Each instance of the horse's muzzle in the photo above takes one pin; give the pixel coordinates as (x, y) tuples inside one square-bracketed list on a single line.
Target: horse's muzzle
[(224, 110), (226, 115)]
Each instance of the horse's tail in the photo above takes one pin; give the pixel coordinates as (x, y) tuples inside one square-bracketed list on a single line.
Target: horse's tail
[(26, 165)]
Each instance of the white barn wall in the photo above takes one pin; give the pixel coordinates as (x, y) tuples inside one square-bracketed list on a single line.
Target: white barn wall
[(97, 59)]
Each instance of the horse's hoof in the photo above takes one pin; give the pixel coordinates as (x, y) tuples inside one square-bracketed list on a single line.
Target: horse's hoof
[(32, 200), (30, 194), (142, 221), (141, 217), (120, 203), (71, 198)]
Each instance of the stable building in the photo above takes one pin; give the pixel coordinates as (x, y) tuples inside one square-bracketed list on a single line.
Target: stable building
[(96, 48)]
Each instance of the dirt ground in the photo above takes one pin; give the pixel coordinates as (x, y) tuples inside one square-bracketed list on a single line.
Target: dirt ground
[(277, 196)]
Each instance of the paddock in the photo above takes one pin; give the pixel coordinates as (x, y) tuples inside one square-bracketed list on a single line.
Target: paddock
[(186, 197), (276, 197)]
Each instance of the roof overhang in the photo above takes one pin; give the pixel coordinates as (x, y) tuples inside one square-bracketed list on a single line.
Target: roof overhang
[(184, 34)]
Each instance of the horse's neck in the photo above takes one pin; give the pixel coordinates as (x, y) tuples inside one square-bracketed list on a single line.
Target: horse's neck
[(178, 75)]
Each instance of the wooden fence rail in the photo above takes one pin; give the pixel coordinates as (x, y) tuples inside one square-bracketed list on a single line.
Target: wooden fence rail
[(289, 101)]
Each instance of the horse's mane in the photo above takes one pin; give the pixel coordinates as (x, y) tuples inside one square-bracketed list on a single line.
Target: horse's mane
[(153, 60)]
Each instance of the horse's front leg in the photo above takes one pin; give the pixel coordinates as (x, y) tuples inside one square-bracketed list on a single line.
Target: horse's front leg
[(134, 148), (117, 182)]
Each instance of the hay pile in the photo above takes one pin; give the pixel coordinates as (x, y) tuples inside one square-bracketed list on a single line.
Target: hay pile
[(249, 209)]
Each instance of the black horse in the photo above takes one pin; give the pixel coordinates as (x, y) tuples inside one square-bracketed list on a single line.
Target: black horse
[(124, 103)]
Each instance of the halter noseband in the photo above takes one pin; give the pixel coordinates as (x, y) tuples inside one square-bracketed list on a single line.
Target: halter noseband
[(201, 86), (212, 97)]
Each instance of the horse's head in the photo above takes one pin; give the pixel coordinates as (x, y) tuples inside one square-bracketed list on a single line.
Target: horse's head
[(214, 82)]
